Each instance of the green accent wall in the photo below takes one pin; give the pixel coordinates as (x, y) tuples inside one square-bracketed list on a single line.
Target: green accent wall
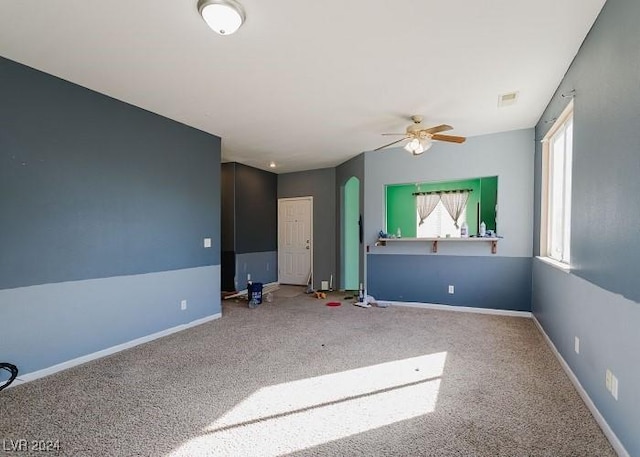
[(351, 234), (489, 200), (401, 210), (401, 203)]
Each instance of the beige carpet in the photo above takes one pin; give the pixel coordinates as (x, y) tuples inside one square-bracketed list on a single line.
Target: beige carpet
[(285, 291), (295, 377)]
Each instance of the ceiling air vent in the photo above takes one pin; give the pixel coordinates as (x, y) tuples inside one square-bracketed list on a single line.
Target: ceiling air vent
[(507, 99)]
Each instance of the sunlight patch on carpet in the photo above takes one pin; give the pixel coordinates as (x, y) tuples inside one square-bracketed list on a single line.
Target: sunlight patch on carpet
[(297, 415)]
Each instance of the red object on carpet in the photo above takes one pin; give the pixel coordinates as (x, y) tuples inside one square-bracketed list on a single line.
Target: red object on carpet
[(334, 303)]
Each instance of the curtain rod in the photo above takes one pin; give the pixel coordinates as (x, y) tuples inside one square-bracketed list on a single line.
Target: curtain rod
[(442, 191)]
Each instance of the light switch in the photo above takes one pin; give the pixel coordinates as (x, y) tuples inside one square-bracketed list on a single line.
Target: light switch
[(207, 242)]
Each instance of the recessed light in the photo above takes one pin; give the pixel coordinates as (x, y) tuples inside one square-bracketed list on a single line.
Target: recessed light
[(272, 164)]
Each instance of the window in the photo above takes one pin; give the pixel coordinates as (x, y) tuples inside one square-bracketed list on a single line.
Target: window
[(557, 154), (403, 207), (439, 223)]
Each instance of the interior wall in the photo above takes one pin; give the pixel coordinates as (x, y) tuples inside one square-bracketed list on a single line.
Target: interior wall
[(319, 184), (256, 210), (228, 226), (103, 205), (401, 205), (344, 171), (598, 301), (350, 234), (509, 156), (249, 226)]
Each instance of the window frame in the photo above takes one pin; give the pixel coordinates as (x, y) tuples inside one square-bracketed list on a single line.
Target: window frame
[(546, 253)]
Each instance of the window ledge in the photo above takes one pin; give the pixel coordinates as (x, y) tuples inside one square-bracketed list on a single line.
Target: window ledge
[(555, 263)]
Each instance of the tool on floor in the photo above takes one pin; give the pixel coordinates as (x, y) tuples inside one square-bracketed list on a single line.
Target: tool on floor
[(11, 368), (310, 289)]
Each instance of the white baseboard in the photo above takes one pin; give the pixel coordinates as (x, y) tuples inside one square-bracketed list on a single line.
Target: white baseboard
[(611, 436), (462, 309), (105, 352)]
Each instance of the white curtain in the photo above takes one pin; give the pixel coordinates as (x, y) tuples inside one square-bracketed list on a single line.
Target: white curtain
[(426, 204), (455, 203)]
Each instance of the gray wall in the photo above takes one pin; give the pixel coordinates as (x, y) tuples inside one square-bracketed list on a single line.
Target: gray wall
[(228, 207), (604, 220), (256, 210), (344, 171), (606, 163), (507, 155), (321, 185), (91, 187), (101, 198), (249, 225)]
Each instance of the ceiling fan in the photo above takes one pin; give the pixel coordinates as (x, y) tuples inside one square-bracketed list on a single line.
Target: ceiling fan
[(422, 137)]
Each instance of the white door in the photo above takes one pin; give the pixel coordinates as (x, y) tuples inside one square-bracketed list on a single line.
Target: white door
[(295, 242)]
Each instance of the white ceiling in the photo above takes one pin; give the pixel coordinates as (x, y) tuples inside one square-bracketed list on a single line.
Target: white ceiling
[(309, 84)]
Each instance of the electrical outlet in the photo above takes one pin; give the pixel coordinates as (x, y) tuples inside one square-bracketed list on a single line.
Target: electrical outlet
[(183, 305), (451, 289), (614, 386), (207, 242), (576, 345), (607, 380)]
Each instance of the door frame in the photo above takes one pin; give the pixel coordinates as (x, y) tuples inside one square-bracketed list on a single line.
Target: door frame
[(310, 199)]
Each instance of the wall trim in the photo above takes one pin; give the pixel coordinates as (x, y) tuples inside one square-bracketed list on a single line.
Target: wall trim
[(28, 377), (608, 432), (462, 309)]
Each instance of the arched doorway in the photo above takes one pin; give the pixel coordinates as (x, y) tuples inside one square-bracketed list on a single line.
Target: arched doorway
[(351, 235)]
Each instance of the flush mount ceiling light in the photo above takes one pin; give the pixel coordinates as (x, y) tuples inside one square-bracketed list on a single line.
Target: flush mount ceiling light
[(222, 16)]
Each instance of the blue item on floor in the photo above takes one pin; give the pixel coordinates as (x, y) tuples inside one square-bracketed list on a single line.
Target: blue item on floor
[(254, 293)]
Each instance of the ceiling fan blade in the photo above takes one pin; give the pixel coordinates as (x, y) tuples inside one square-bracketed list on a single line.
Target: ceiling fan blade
[(449, 138), (438, 128), (390, 144), (387, 134)]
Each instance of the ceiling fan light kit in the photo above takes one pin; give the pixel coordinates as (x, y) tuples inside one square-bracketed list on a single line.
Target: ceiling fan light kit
[(417, 147), (223, 16), (421, 138)]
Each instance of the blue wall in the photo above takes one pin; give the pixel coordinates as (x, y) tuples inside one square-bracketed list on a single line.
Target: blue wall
[(93, 189), (598, 300), (410, 272), (481, 282)]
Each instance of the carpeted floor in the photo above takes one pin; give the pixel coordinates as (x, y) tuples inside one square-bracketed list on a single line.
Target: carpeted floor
[(295, 377)]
